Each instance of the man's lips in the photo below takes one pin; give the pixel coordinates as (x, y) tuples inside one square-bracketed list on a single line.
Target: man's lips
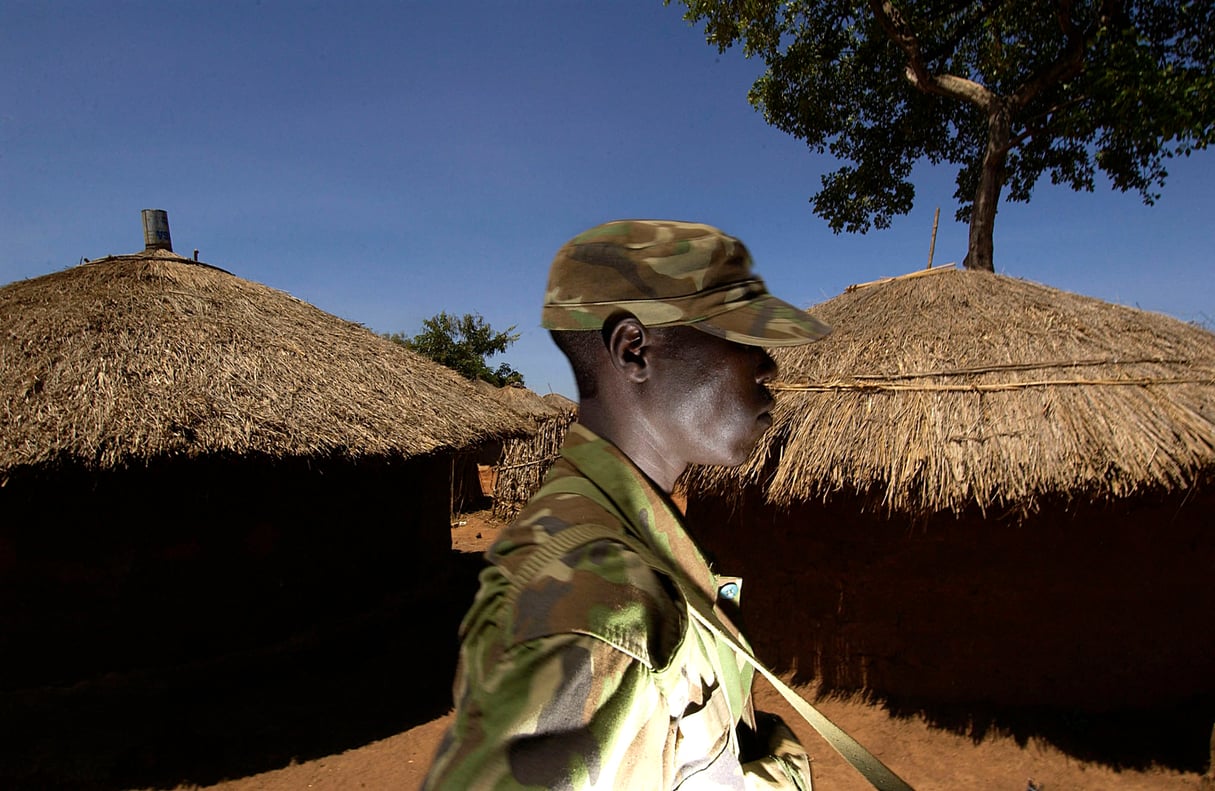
[(767, 404)]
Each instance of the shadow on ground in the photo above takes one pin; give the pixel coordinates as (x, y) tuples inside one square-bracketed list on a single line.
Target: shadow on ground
[(1176, 737), (342, 683), (363, 676)]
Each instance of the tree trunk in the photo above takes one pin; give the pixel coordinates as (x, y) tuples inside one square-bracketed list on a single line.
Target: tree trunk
[(979, 255)]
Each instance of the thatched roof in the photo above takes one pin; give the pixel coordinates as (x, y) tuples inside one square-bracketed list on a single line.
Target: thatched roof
[(560, 402), (130, 358), (966, 388), (521, 400)]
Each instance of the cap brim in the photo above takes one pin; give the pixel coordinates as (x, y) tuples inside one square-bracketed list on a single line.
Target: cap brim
[(765, 321)]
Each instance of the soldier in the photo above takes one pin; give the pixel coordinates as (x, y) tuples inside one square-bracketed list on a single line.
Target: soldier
[(582, 662)]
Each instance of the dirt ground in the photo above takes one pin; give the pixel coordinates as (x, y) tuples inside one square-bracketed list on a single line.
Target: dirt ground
[(929, 758)]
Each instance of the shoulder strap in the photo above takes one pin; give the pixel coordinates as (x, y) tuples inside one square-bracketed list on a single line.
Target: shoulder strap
[(878, 774)]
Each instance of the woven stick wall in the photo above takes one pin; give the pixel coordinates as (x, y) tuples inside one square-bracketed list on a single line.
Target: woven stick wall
[(525, 462)]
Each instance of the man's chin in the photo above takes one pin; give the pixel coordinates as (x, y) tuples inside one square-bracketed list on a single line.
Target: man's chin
[(740, 456)]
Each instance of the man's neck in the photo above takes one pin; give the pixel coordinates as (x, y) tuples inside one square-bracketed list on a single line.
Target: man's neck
[(632, 437)]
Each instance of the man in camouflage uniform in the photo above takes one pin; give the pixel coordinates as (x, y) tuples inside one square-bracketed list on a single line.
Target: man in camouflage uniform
[(581, 665)]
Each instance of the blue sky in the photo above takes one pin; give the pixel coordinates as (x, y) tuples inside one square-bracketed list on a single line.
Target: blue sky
[(385, 161)]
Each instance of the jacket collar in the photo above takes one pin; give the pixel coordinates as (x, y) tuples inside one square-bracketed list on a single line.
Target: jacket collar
[(648, 512)]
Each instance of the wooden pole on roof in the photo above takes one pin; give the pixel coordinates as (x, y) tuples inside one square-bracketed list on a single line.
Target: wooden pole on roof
[(933, 245)]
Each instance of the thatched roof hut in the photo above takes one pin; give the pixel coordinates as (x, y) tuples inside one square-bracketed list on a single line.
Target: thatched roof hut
[(190, 461), (982, 489), (963, 389), (520, 399), (560, 402), (131, 358)]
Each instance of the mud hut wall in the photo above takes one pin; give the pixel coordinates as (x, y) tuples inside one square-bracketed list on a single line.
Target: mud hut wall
[(1092, 607), (108, 571)]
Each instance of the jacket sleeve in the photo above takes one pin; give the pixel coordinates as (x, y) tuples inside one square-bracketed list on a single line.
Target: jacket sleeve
[(786, 766), (560, 712)]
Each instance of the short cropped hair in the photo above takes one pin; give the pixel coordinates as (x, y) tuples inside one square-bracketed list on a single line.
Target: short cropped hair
[(581, 347)]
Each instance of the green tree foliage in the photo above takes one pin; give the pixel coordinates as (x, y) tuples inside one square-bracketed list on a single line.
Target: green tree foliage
[(462, 344), (1007, 90)]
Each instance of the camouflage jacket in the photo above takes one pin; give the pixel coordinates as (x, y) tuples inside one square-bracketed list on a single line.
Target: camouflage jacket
[(584, 671)]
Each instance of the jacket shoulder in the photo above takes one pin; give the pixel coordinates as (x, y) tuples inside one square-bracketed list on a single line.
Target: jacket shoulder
[(600, 588)]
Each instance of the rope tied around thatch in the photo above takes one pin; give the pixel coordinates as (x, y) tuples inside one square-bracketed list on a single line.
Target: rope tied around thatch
[(824, 387), (897, 382)]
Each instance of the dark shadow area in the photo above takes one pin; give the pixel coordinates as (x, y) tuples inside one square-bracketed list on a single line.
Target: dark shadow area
[(156, 566), (1177, 737), (338, 685), (1086, 625), (201, 619)]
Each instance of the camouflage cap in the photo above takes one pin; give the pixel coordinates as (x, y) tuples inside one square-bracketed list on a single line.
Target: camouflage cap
[(669, 273)]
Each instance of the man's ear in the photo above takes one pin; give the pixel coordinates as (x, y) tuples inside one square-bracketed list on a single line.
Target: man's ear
[(628, 345)]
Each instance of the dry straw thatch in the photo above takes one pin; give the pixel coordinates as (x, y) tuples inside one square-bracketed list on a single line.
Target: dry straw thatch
[(520, 399), (130, 358), (560, 402), (963, 389)]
